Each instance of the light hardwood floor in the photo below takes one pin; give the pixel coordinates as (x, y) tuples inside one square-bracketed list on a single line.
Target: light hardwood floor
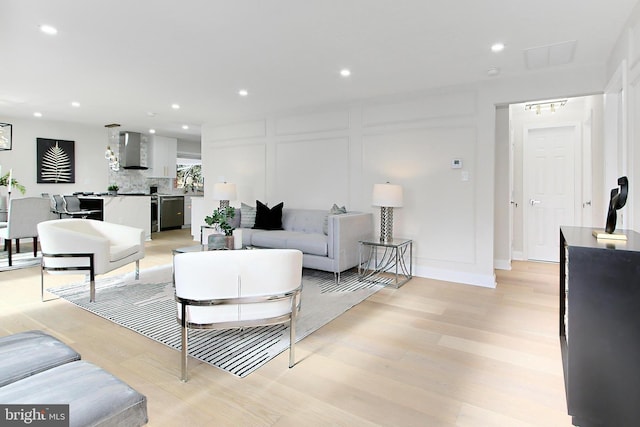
[(431, 353)]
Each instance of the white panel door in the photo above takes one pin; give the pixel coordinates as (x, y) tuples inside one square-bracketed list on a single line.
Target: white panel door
[(549, 188)]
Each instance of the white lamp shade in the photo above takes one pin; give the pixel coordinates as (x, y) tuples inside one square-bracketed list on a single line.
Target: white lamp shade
[(387, 195), (224, 191)]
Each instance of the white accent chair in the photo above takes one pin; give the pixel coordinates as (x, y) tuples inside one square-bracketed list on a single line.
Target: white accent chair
[(236, 289), (96, 247), (24, 216)]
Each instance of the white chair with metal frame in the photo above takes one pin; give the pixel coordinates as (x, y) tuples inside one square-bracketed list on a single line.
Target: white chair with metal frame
[(73, 245), (237, 289)]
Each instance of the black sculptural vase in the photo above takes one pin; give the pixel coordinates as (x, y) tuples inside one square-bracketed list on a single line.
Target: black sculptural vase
[(617, 201)]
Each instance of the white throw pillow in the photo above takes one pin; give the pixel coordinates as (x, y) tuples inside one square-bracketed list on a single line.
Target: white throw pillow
[(248, 217)]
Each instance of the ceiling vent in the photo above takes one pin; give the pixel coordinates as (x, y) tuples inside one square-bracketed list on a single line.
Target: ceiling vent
[(550, 56)]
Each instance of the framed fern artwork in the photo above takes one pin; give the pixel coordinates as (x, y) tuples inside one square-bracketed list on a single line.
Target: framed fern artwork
[(56, 161)]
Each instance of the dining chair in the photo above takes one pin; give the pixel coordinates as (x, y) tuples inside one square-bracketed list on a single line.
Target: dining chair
[(22, 222), (70, 206)]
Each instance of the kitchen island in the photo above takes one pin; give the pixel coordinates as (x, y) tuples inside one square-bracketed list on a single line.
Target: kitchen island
[(133, 210)]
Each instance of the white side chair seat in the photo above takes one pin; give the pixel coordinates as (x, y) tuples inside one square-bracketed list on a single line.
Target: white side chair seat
[(236, 289), (96, 247)]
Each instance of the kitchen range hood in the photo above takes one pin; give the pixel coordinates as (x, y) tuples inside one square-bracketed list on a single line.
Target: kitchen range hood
[(130, 150)]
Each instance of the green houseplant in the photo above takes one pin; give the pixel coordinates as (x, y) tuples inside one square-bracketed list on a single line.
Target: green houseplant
[(4, 180), (113, 189), (220, 219)]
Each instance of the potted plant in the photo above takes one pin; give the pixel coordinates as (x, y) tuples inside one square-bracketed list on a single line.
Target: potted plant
[(113, 189), (4, 180), (219, 219)]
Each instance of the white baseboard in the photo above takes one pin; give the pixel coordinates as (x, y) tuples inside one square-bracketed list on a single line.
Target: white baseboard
[(517, 256), (483, 280), (502, 264)]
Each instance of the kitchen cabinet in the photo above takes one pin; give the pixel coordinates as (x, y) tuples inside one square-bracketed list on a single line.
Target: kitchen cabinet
[(187, 210), (162, 154), (600, 327)]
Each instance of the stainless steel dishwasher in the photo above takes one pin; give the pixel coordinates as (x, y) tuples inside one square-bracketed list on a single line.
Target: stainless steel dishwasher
[(171, 212)]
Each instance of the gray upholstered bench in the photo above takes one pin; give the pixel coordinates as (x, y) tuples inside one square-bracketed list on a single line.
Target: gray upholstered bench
[(28, 353), (95, 397), (36, 368)]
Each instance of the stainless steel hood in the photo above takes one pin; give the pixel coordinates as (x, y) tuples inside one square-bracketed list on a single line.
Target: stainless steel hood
[(130, 150)]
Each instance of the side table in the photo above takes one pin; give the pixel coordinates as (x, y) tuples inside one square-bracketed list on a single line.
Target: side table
[(393, 258)]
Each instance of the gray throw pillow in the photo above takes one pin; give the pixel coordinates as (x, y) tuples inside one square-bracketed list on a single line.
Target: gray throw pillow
[(335, 210), (248, 217)]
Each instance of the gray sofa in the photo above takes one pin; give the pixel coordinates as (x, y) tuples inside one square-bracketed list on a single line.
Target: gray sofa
[(304, 229)]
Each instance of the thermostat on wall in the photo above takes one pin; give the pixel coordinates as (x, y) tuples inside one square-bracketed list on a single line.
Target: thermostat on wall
[(456, 164)]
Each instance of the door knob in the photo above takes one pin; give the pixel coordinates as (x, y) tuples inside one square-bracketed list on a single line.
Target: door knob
[(534, 202)]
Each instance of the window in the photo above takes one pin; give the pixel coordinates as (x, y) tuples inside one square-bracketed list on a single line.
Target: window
[(189, 175)]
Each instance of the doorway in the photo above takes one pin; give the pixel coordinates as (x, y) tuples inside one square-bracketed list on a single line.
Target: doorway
[(549, 188), (550, 177)]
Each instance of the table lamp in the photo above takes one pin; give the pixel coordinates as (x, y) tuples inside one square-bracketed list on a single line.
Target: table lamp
[(387, 196), (224, 192)]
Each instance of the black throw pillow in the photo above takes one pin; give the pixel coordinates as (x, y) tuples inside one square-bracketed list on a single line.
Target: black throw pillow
[(268, 219)]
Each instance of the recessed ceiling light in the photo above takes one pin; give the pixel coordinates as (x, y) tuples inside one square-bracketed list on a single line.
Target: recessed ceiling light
[(152, 131), (37, 114), (48, 29), (185, 127), (345, 72), (151, 114), (243, 92), (497, 47), (494, 71), (75, 104), (175, 106)]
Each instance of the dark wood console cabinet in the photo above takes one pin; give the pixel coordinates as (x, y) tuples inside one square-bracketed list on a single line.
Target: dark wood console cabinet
[(600, 327)]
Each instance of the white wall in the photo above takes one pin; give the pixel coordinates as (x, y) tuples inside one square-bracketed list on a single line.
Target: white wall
[(502, 217), (622, 121), (91, 169), (318, 156)]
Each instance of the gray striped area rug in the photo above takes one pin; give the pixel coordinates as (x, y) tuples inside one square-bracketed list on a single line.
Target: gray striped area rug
[(24, 259), (147, 306)]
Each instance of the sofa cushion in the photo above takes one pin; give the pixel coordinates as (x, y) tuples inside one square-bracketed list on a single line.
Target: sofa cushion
[(308, 243), (268, 218), (28, 353), (118, 252), (303, 220), (248, 216), (276, 239)]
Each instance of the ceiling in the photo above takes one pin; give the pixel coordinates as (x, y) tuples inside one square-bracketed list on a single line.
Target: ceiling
[(127, 61)]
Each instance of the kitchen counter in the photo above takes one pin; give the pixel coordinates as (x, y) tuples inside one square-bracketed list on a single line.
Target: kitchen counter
[(132, 210)]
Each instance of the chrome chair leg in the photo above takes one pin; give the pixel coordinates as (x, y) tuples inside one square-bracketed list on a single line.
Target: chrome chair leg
[(185, 345), (137, 269)]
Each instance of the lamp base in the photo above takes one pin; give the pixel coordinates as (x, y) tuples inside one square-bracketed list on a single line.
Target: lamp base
[(603, 235), (386, 224), (224, 204)]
